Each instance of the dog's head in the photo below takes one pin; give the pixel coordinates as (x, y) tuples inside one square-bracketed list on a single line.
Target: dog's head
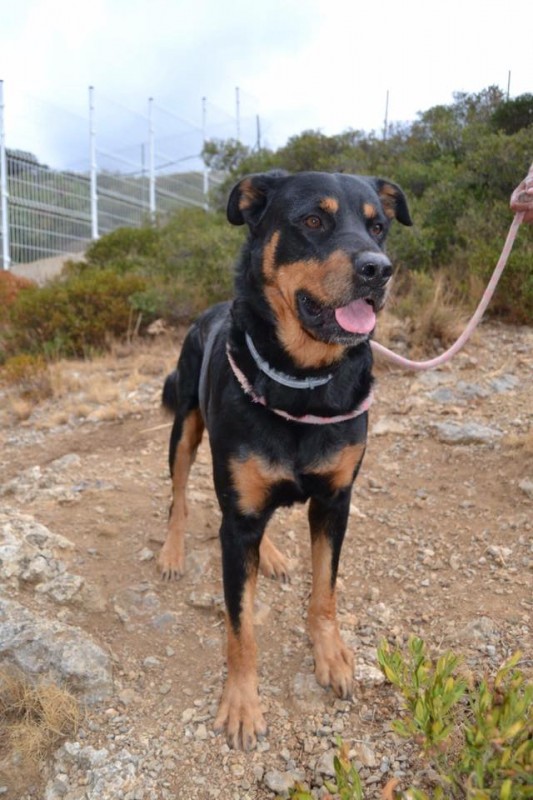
[(316, 253)]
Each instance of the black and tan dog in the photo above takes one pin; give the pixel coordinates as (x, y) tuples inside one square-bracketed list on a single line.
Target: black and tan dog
[(282, 379)]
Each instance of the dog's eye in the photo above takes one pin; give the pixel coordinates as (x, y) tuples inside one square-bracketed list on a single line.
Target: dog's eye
[(313, 221), (376, 228)]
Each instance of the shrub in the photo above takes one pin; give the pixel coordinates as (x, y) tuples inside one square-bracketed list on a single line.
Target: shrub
[(34, 719), (30, 374), (125, 246), (492, 753), (75, 316), (10, 286)]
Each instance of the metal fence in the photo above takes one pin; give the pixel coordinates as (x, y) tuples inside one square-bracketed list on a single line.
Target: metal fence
[(46, 212)]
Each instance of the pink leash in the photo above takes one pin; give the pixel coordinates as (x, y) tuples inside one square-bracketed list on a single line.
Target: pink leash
[(522, 203), (480, 310)]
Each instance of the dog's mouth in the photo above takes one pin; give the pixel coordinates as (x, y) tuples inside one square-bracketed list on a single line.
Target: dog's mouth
[(346, 324)]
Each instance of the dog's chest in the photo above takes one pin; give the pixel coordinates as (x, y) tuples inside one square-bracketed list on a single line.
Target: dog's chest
[(259, 482)]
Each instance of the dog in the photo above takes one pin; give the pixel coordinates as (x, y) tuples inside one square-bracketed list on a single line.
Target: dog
[(281, 377)]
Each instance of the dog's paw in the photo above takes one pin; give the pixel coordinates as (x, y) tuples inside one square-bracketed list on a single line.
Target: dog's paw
[(334, 664), (240, 714), (272, 563), (171, 563)]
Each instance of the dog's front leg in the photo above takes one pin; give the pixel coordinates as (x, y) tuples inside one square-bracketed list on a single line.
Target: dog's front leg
[(328, 518), (240, 711)]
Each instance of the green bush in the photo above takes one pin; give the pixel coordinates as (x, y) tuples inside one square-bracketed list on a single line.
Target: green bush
[(74, 316), (126, 246), (480, 738), (457, 164)]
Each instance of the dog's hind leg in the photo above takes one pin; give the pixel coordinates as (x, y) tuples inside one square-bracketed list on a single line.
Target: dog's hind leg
[(181, 396), (272, 563), (186, 436), (333, 659)]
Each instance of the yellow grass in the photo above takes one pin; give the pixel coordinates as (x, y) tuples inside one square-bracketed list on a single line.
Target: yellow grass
[(34, 719)]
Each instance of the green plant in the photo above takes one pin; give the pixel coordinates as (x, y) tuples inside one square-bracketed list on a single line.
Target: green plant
[(431, 692), (346, 785), (29, 374), (73, 316), (497, 758), (492, 753)]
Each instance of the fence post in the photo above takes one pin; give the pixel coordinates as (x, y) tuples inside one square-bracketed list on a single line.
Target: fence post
[(4, 214), (151, 158), (204, 139), (93, 167)]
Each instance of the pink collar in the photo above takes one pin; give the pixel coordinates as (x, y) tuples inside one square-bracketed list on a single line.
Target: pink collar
[(308, 419)]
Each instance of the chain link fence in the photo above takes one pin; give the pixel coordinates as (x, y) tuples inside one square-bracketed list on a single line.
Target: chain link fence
[(46, 211)]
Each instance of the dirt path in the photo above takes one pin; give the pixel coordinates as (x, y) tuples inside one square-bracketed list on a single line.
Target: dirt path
[(439, 544)]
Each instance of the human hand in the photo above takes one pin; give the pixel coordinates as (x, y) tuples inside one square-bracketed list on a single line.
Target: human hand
[(522, 197)]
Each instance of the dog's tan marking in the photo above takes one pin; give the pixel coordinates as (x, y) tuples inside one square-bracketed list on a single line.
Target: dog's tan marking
[(369, 211), (329, 204), (240, 711), (389, 198), (171, 560), (253, 479), (333, 659), (330, 282), (248, 195), (340, 467), (272, 563)]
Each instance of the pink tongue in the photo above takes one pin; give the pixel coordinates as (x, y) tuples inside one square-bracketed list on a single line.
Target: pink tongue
[(356, 317)]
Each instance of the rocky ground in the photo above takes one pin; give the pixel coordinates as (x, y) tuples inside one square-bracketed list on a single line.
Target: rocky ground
[(439, 544)]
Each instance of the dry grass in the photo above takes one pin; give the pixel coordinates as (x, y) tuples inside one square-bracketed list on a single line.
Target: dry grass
[(430, 309), (34, 719), (520, 441)]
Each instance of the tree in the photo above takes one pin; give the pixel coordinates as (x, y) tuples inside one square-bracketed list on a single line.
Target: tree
[(513, 115)]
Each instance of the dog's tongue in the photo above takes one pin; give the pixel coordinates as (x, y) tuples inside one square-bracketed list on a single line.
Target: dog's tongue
[(357, 317)]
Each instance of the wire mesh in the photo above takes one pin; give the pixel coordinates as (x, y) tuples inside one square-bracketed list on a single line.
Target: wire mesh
[(156, 169)]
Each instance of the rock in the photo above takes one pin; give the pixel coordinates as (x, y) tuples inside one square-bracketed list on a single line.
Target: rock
[(31, 554), (499, 553), (325, 763), (454, 561), (504, 383), (39, 646), (368, 675), (480, 628), (526, 486), (445, 395), (200, 598), (387, 425), (201, 732), (151, 662), (157, 327), (278, 782), (466, 433), (356, 512), (470, 390), (102, 774), (262, 612), (63, 589), (363, 753), (306, 693)]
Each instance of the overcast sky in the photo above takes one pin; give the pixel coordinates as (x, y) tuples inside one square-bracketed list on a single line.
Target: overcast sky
[(321, 64)]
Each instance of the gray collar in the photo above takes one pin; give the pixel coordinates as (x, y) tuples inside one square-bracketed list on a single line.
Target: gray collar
[(280, 377)]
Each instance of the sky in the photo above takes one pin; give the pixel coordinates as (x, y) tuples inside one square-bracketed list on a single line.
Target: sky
[(298, 64)]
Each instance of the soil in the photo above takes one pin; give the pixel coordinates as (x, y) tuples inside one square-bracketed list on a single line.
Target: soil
[(440, 545)]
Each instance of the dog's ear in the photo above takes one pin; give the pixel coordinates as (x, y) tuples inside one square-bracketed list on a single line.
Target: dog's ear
[(393, 200), (249, 198)]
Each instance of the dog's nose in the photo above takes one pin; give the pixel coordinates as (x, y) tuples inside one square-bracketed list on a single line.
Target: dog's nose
[(374, 268)]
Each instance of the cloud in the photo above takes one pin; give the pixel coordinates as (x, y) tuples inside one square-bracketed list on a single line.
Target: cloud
[(298, 66)]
